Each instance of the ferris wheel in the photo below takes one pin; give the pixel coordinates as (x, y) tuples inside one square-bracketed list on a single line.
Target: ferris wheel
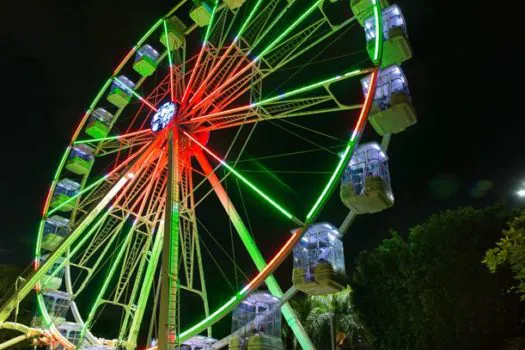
[(221, 105)]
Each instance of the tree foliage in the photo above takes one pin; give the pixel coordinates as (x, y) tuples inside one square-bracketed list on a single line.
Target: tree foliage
[(329, 316), (510, 251), (432, 291), (334, 316)]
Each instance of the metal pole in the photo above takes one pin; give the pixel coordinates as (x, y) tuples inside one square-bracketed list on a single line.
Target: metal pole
[(13, 341), (248, 241), (168, 327)]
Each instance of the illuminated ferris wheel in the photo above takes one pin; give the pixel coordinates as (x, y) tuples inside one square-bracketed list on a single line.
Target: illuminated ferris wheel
[(216, 93)]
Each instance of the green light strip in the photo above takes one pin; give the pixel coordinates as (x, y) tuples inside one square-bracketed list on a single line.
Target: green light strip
[(289, 29), (257, 190), (107, 280), (100, 93), (379, 31), (149, 32), (73, 251), (310, 87), (215, 316), (208, 30), (147, 284), (62, 162), (333, 178), (345, 158), (48, 200), (39, 240), (245, 180), (134, 93), (111, 138), (54, 210), (287, 94), (169, 59), (243, 27)]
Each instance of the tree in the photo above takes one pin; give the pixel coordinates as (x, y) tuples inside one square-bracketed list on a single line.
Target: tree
[(332, 318), (510, 251), (328, 318), (431, 291)]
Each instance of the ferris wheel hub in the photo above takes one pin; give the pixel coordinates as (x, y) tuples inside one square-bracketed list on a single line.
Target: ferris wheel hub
[(165, 113)]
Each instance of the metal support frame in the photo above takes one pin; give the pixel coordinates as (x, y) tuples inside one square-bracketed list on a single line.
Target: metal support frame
[(253, 250), (168, 314)]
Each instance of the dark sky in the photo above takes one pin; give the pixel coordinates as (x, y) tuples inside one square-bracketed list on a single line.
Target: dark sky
[(463, 78)]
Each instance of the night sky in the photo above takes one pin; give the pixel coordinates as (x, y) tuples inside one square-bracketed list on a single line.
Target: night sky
[(463, 81)]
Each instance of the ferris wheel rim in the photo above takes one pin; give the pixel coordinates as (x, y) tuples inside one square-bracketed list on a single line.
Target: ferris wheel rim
[(311, 216)]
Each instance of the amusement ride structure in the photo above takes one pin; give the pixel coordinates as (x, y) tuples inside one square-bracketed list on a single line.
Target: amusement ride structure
[(212, 83)]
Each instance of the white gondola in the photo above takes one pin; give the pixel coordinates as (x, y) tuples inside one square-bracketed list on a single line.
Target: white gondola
[(234, 4), (392, 110), (55, 229), (80, 160), (256, 324), (146, 60), (99, 123), (53, 278), (57, 305), (318, 261), (120, 92), (175, 33), (202, 12), (64, 191), (198, 342), (71, 331), (365, 187), (396, 48)]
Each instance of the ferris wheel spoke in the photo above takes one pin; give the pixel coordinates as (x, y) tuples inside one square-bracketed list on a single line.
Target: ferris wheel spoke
[(254, 26), (199, 57), (98, 188), (221, 28), (254, 62), (288, 48), (95, 252), (229, 63), (225, 69), (109, 145), (309, 38), (135, 94), (288, 104), (36, 276), (121, 210), (234, 91), (131, 256), (93, 193), (170, 60), (250, 245), (123, 138), (106, 284), (247, 182), (192, 264)]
